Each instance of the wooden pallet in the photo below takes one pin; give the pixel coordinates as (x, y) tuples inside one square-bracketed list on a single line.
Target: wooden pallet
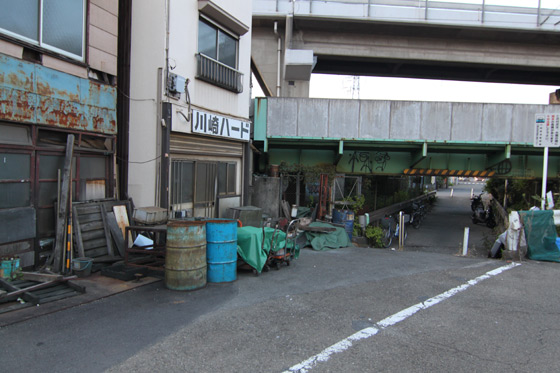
[(96, 233), (22, 293)]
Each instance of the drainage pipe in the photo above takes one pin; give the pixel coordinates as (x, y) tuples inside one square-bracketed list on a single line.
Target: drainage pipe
[(279, 52)]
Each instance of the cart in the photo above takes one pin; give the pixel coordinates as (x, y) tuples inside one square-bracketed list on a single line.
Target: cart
[(280, 255)]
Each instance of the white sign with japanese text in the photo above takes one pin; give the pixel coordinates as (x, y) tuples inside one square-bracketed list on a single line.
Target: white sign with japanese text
[(547, 130), (217, 125)]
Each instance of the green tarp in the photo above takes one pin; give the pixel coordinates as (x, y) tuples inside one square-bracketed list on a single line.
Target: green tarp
[(325, 241), (540, 232), (251, 249), (250, 245)]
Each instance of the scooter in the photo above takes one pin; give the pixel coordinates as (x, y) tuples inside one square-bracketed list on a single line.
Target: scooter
[(482, 215), (476, 201)]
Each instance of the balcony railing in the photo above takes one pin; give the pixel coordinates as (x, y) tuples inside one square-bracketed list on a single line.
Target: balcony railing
[(214, 72)]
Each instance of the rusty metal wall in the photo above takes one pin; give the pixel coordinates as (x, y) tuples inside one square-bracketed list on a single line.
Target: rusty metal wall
[(32, 93)]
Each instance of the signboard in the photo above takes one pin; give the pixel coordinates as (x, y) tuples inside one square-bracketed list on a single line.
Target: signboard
[(219, 126), (547, 130)]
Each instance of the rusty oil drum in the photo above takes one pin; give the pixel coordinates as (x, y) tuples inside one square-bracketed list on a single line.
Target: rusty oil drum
[(185, 257)]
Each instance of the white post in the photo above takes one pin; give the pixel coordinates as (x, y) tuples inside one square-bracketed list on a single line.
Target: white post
[(472, 192), (451, 193), (401, 230), (544, 176), (466, 241)]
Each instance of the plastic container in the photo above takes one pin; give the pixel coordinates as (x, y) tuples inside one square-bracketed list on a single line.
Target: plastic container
[(82, 266)]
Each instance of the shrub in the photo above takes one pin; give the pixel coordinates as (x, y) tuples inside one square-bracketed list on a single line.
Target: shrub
[(374, 235)]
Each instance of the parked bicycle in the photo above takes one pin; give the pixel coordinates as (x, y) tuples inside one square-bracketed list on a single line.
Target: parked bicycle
[(417, 214), (391, 229)]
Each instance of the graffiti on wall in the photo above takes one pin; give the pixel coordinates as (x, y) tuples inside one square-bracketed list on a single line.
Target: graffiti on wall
[(363, 161), (381, 159)]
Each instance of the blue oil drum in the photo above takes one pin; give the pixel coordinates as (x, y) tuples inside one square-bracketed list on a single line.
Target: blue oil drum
[(221, 250), (185, 255), (345, 217)]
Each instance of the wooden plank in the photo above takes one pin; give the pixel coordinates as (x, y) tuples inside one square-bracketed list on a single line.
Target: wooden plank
[(63, 294), (16, 291), (106, 259), (116, 232), (77, 233), (91, 226), (77, 287), (40, 277), (110, 250), (95, 243), (94, 253), (86, 218), (88, 208), (93, 235), (123, 222), (62, 214), (46, 292)]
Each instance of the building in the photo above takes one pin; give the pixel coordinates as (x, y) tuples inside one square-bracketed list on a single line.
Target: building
[(58, 75), (189, 136)]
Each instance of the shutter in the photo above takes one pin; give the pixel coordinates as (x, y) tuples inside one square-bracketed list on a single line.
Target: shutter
[(202, 145)]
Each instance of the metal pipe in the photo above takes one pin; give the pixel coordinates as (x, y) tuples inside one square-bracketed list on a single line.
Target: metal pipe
[(279, 52), (544, 176), (466, 241), (539, 15)]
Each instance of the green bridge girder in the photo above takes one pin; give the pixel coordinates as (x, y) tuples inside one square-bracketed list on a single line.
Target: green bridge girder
[(361, 156)]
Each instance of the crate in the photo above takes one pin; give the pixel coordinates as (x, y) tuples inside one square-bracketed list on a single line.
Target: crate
[(150, 215)]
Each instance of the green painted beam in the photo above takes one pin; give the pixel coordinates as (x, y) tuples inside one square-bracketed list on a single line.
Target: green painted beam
[(259, 121), (497, 158), (420, 155)]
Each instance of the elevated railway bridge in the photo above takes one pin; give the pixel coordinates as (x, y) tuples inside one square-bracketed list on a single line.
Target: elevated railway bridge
[(367, 137)]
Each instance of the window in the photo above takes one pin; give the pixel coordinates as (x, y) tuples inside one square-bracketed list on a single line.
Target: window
[(217, 44), (193, 182), (226, 179), (15, 180), (55, 25), (217, 57)]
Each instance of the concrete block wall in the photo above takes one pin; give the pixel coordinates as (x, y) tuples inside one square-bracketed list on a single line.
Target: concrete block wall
[(402, 120)]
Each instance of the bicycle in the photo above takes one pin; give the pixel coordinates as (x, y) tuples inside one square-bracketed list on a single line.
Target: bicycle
[(391, 229), (418, 213)]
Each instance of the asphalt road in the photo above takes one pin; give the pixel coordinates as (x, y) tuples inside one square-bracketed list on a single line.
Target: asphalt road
[(347, 310)]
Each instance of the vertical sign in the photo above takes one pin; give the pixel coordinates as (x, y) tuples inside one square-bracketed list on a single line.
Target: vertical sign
[(547, 130), (546, 136)]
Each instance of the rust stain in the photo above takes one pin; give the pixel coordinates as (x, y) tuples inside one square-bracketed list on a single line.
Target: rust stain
[(98, 122), (44, 89)]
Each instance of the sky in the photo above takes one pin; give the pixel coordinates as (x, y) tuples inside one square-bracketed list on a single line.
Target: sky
[(405, 89)]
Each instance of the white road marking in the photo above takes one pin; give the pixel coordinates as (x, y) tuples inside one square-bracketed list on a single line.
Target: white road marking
[(346, 343)]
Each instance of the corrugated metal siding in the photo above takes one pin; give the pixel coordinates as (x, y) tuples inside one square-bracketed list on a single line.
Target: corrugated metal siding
[(201, 145), (32, 93)]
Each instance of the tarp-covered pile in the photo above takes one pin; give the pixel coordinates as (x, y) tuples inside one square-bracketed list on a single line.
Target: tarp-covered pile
[(254, 247), (541, 235), (325, 241)]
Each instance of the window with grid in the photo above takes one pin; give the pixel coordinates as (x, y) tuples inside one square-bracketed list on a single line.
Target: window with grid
[(227, 179), (55, 25), (193, 182)]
